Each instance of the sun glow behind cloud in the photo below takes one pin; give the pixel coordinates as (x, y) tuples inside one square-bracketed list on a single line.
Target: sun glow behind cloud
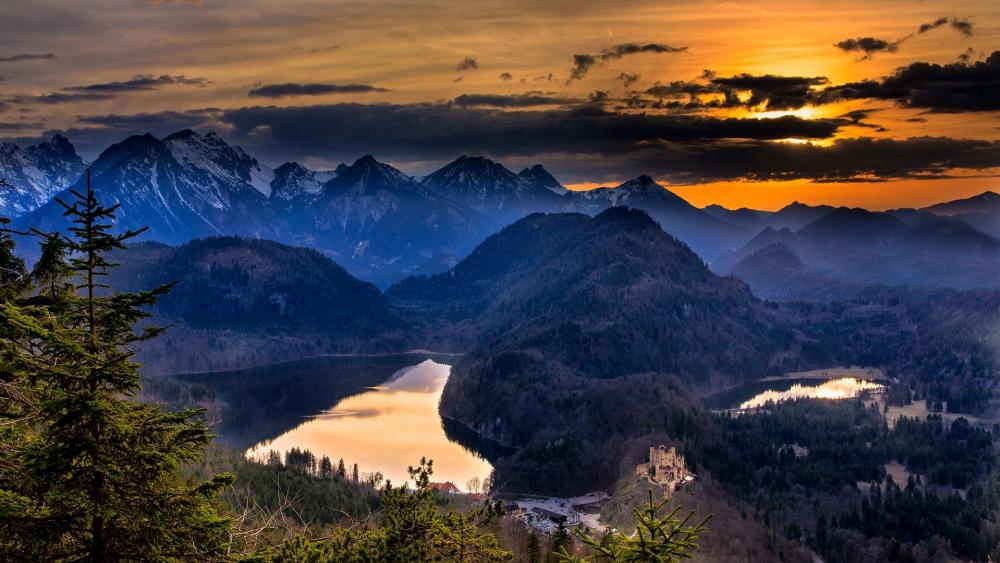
[(414, 53)]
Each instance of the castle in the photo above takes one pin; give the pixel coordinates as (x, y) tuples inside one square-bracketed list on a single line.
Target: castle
[(665, 468)]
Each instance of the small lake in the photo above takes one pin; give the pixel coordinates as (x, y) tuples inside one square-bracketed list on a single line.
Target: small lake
[(378, 412), (758, 393)]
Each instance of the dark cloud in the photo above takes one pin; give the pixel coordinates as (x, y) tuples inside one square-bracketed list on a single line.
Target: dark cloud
[(628, 78), (968, 55), (681, 88), (107, 90), (581, 65), (468, 63), (585, 142), (21, 125), (683, 148), (291, 89), (770, 91), (598, 96), (583, 62), (138, 82), (28, 57), (954, 87), (167, 121), (868, 45), (857, 117), (414, 130), (506, 76), (764, 92), (528, 99), (960, 25), (872, 45), (857, 159), (61, 98), (426, 131), (619, 51)]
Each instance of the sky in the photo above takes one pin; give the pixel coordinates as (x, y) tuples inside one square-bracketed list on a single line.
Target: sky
[(877, 104)]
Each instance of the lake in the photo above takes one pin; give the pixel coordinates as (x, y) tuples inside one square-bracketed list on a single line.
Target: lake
[(756, 394), (378, 412)]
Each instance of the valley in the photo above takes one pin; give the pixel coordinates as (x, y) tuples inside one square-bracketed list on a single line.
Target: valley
[(573, 332), (501, 281)]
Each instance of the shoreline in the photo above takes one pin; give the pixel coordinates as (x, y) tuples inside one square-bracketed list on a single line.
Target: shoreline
[(413, 352), (870, 373)]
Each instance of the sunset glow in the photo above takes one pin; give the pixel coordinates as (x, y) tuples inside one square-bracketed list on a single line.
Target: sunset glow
[(324, 83)]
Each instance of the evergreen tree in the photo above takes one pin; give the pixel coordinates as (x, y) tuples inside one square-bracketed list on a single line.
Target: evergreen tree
[(411, 530), (51, 268), (13, 274), (534, 547), (93, 475), (656, 539), (560, 543)]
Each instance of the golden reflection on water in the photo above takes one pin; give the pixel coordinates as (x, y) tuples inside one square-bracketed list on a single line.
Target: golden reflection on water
[(387, 429), (843, 388)]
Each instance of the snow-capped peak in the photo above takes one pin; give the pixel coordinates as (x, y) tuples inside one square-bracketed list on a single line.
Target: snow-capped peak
[(484, 185), (538, 175), (292, 181), (210, 153), (645, 187), (36, 173)]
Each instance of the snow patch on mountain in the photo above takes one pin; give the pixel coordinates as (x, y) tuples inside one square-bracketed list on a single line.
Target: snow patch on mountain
[(36, 173), (213, 155)]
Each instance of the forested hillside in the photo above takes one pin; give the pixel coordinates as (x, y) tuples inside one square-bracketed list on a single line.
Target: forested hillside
[(591, 332), (240, 302)]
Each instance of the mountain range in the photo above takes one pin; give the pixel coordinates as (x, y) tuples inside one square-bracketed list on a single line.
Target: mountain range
[(572, 315), (848, 248), (36, 173), (981, 211), (585, 338), (383, 225), (375, 220), (589, 337)]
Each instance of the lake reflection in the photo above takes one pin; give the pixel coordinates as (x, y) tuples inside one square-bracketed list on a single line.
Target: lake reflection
[(386, 429), (843, 388)]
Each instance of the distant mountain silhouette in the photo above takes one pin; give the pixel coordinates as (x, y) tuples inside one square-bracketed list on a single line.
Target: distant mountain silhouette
[(750, 219), (776, 272), (491, 189), (708, 236), (383, 225), (793, 216), (539, 176), (981, 211), (860, 247)]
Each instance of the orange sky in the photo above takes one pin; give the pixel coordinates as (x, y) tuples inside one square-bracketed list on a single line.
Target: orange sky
[(413, 50), (772, 196)]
